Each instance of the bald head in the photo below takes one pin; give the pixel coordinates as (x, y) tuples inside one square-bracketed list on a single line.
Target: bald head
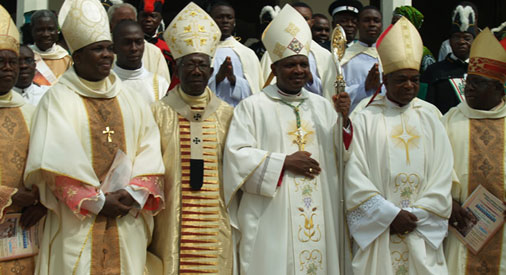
[(120, 12)]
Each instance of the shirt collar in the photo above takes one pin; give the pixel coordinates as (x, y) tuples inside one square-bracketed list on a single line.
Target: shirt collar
[(125, 74)]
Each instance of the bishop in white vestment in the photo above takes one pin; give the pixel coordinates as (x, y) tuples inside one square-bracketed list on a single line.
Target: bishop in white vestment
[(398, 177), (476, 128), (81, 126), (15, 117), (284, 219), (192, 234)]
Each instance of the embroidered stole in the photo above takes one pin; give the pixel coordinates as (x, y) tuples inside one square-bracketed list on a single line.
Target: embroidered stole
[(199, 246), (486, 167), (306, 201), (14, 140), (406, 162), (102, 113)]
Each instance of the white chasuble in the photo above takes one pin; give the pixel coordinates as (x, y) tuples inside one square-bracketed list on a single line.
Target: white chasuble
[(401, 159), (406, 162), (478, 141), (70, 150), (291, 228)]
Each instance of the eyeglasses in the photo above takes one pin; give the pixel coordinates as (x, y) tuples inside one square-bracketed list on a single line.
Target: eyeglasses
[(13, 62), (191, 66)]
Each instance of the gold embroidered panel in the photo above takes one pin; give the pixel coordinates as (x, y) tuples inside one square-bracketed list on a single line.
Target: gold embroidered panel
[(105, 253), (14, 140), (107, 136), (486, 167), (106, 131)]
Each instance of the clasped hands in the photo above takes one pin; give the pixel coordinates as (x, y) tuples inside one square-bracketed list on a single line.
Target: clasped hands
[(226, 71), (117, 204)]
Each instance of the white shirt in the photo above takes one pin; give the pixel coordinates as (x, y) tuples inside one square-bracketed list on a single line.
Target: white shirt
[(142, 81), (32, 93)]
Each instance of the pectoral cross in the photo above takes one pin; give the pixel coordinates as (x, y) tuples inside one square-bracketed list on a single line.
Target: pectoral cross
[(300, 137), (108, 132), (197, 116)]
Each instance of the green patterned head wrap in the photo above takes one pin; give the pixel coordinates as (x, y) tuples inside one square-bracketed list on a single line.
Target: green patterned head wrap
[(411, 14)]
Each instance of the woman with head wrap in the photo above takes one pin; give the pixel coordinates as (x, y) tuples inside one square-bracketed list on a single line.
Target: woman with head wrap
[(416, 18)]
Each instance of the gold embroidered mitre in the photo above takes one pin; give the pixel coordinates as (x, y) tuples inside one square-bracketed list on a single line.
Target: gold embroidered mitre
[(192, 31), (9, 35), (288, 34), (85, 23), (487, 57), (400, 47)]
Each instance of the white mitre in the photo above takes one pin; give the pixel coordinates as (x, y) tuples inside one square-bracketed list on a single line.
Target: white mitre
[(288, 34), (192, 31), (84, 22), (400, 47), (9, 35)]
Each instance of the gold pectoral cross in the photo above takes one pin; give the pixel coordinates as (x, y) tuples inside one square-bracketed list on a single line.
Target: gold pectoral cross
[(300, 137), (108, 132)]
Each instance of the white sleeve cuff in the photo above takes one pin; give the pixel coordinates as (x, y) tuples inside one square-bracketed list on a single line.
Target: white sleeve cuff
[(368, 221), (95, 206), (431, 227), (265, 178), (140, 196)]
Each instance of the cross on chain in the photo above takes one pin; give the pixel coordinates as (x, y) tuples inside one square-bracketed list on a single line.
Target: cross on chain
[(196, 140), (108, 132)]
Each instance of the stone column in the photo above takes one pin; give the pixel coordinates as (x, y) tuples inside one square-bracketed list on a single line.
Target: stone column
[(388, 7), (28, 5)]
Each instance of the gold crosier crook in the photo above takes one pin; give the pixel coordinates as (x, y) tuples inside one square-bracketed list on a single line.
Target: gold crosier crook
[(338, 47)]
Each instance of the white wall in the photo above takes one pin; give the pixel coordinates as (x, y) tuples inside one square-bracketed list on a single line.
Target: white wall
[(29, 5), (388, 7)]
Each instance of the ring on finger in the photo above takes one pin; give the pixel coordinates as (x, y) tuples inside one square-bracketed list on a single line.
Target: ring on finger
[(311, 170)]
